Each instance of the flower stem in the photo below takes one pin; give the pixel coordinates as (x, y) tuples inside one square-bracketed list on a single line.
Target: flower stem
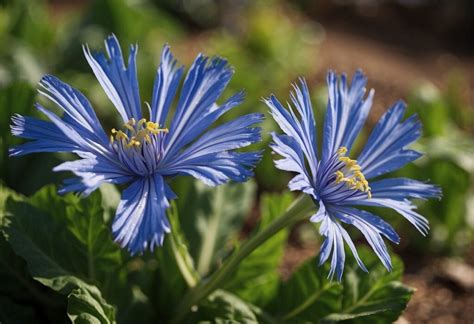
[(300, 209)]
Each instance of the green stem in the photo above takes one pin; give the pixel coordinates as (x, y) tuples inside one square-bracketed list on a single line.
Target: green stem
[(300, 209)]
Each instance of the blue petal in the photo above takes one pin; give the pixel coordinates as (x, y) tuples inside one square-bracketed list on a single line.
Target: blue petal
[(293, 161), (92, 171), (302, 131), (140, 222), (196, 109), (46, 135), (333, 231), (346, 113), (119, 82), (371, 227), (403, 188), (385, 149), (78, 111), (217, 168), (71, 134), (334, 243), (229, 136), (208, 158), (165, 87), (404, 208), (352, 216)]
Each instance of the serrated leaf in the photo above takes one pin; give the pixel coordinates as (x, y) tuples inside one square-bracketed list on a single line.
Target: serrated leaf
[(256, 279), (60, 250), (306, 296), (211, 216), (85, 221), (375, 297), (378, 296), (85, 306)]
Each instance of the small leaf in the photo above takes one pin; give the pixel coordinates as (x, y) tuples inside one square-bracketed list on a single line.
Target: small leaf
[(256, 279), (378, 296), (224, 307), (85, 306), (307, 295), (212, 216), (375, 297)]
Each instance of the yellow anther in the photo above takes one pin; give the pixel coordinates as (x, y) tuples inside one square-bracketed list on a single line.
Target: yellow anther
[(351, 174), (339, 176), (129, 127), (121, 134), (355, 167), (140, 132), (151, 125), (342, 150)]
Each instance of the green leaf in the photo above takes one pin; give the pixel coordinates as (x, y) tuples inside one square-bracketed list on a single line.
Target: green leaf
[(24, 293), (212, 216), (84, 220), (375, 297), (307, 295), (256, 279), (378, 297), (86, 306), (66, 248), (224, 307)]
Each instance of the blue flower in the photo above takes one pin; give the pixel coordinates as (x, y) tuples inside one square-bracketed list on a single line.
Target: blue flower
[(143, 153), (340, 184)]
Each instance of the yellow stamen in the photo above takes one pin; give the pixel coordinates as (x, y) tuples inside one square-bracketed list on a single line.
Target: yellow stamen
[(354, 178), (342, 150), (129, 127), (140, 132)]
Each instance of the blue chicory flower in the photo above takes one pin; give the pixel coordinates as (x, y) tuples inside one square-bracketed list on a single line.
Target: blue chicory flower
[(340, 184), (144, 153)]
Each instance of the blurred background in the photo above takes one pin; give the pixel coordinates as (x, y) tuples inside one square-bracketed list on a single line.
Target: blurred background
[(421, 51)]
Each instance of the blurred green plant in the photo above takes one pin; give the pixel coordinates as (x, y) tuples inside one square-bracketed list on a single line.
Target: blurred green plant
[(448, 162), (68, 248)]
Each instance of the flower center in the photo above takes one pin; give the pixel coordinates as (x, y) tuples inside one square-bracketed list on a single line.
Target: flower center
[(351, 173), (134, 133)]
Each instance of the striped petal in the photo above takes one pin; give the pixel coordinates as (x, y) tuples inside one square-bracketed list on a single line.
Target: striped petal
[(346, 113), (385, 150), (140, 222), (118, 81)]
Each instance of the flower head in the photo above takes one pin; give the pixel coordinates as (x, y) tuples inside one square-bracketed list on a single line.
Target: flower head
[(147, 149), (340, 183)]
